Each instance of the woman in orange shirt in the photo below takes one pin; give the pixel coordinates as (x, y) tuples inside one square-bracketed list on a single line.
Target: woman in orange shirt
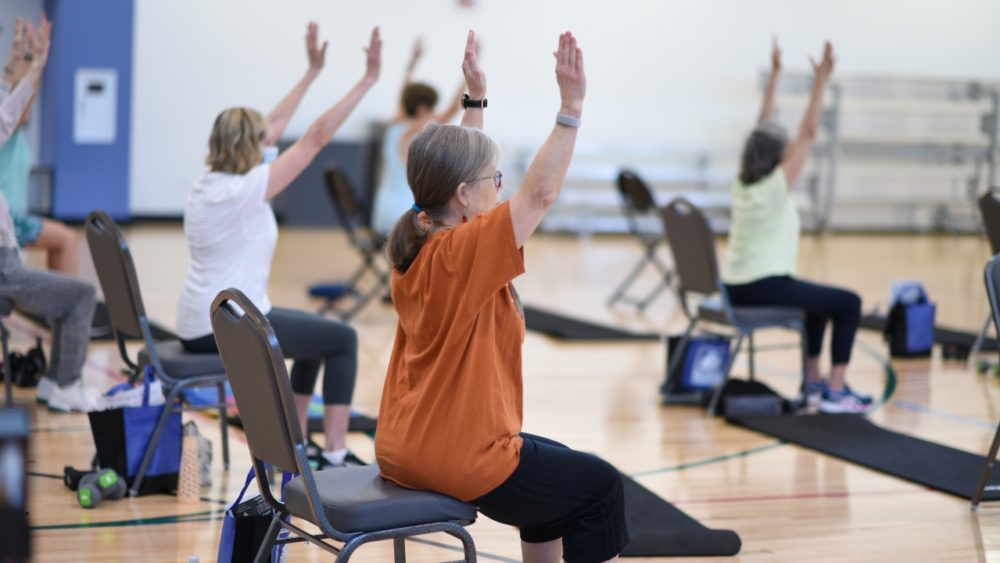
[(451, 413)]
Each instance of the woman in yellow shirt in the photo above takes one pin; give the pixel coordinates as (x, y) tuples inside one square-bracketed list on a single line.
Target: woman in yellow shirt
[(764, 239)]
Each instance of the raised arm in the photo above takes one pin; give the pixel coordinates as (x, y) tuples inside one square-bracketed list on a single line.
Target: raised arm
[(415, 55), (767, 107), (544, 179), (293, 161), (798, 151), (279, 117), (13, 106), (475, 81)]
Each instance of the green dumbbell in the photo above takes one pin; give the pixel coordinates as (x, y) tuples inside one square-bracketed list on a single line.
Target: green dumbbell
[(98, 486)]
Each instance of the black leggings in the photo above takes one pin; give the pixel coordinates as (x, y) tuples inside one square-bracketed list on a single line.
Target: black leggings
[(310, 340), (821, 303), (556, 492)]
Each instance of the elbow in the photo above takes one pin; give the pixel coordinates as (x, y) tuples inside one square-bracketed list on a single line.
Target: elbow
[(314, 139)]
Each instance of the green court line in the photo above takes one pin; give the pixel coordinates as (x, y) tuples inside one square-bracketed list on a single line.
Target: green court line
[(709, 461), (890, 372), (172, 519)]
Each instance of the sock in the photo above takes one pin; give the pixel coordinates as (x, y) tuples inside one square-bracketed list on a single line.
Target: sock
[(336, 457)]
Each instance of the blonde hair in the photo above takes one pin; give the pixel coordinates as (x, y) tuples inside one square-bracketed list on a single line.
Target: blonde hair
[(440, 158), (234, 145)]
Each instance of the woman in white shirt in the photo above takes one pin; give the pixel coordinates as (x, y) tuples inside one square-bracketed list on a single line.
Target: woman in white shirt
[(231, 234)]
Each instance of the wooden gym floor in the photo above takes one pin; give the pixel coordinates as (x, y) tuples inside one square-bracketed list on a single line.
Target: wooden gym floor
[(787, 503)]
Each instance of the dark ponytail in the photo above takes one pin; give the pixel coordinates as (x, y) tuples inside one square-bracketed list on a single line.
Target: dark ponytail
[(762, 153), (440, 158)]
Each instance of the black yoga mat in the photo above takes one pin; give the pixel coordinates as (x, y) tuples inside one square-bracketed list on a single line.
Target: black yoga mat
[(657, 528), (568, 328), (102, 325), (944, 336), (856, 439)]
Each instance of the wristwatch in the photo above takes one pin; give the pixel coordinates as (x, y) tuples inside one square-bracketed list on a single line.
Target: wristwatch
[(470, 103)]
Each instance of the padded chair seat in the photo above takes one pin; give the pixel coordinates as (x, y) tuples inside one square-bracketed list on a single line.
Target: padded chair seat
[(179, 363), (358, 499), (711, 310)]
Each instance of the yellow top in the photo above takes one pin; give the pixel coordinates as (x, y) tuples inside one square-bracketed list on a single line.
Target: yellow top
[(764, 231)]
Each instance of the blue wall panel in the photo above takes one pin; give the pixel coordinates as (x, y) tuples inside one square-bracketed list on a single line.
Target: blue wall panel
[(95, 33)]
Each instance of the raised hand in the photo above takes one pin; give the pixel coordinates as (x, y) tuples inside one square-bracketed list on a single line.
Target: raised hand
[(373, 53), (315, 53), (570, 75), (824, 68), (775, 55), (40, 41), (418, 51), (475, 78)]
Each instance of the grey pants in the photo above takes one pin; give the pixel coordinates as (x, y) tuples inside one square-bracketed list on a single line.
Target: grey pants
[(66, 302)]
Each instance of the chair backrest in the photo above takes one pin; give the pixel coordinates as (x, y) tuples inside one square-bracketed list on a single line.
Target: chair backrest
[(349, 211), (256, 371), (989, 208), (637, 198), (991, 276), (116, 274), (692, 244)]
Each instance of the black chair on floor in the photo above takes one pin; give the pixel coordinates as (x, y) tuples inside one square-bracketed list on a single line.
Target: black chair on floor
[(989, 210), (991, 277), (176, 369), (353, 505), (692, 243), (637, 204), (355, 220)]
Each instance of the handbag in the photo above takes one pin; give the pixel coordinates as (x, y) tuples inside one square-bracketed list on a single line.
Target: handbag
[(245, 526), (909, 330), (122, 435)]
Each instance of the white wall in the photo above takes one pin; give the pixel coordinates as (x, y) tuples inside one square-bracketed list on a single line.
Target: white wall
[(678, 73)]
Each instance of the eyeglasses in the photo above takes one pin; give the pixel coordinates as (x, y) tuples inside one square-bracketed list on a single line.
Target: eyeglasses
[(497, 178)]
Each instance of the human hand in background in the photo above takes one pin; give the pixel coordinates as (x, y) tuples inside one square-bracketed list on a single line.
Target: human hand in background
[(315, 53), (570, 75)]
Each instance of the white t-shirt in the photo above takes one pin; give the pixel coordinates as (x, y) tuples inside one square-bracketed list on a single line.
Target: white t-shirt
[(231, 233)]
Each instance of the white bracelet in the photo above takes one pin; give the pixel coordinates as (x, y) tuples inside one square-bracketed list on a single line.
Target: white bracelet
[(568, 120)]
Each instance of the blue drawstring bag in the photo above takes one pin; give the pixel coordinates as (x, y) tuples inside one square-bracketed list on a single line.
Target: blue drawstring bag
[(245, 525), (121, 436), (909, 329)]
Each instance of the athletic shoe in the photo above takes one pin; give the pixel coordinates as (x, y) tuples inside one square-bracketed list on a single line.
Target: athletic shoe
[(350, 460), (46, 386), (75, 397), (842, 402), (812, 394), (865, 399)]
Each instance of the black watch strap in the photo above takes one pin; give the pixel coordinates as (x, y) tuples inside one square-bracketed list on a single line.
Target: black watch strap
[(470, 103)]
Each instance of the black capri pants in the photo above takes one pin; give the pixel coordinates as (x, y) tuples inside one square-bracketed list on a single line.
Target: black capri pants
[(556, 492), (310, 340), (822, 303)]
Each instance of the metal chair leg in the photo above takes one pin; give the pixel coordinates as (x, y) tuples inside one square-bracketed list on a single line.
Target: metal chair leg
[(224, 424), (619, 292), (675, 358), (717, 394), (977, 346), (987, 470), (264, 552), (750, 354), (399, 550), (8, 377)]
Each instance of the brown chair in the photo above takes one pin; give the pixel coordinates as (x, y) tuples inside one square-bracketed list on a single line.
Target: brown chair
[(638, 203), (177, 369), (353, 505), (991, 277), (989, 210), (692, 243)]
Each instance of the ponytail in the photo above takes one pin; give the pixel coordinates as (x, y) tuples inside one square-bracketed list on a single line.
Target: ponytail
[(405, 241)]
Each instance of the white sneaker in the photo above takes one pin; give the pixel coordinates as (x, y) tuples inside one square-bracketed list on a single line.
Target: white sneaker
[(75, 397), (46, 386)]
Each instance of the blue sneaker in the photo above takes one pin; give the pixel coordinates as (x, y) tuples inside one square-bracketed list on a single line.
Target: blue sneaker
[(845, 401)]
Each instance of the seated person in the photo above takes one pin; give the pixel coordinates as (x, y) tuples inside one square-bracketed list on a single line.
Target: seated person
[(417, 101), (451, 413), (231, 234), (67, 302), (33, 231), (763, 248)]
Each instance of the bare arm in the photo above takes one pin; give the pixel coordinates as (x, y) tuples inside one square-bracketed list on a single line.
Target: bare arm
[(544, 178), (798, 151), (282, 114), (475, 80), (293, 161), (767, 107), (418, 51)]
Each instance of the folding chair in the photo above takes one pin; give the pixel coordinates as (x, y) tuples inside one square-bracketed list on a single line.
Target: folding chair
[(989, 209), (353, 505), (175, 368), (693, 245), (991, 276), (638, 202), (356, 222)]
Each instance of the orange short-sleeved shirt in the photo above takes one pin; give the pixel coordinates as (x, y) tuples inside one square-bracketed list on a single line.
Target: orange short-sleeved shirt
[(452, 408)]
